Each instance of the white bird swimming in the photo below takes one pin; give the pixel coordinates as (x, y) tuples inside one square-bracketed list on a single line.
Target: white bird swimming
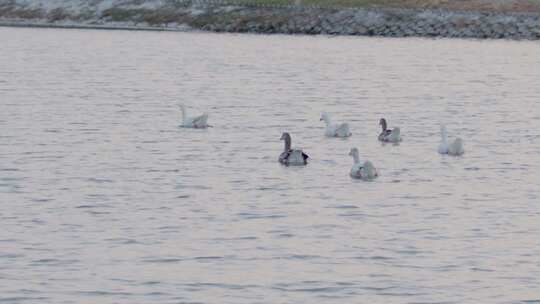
[(360, 170), (388, 135), (455, 147), (197, 122), (335, 130), (291, 157)]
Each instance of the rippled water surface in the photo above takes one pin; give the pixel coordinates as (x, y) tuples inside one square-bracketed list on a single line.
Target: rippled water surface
[(104, 199)]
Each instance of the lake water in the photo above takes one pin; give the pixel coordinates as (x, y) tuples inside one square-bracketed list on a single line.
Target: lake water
[(104, 199)]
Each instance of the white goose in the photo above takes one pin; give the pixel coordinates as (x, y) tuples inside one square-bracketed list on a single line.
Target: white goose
[(365, 171), (453, 148), (197, 122), (291, 157), (388, 135), (337, 130)]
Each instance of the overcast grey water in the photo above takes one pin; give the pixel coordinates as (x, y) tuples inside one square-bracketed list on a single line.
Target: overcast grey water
[(105, 199)]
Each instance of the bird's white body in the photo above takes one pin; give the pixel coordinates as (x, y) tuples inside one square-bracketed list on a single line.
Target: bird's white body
[(365, 171), (292, 157), (198, 122), (335, 130), (388, 135), (394, 136), (454, 147)]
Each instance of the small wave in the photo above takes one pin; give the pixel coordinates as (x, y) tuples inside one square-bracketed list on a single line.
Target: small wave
[(100, 180), (374, 258), (345, 207), (11, 256), (205, 258), (12, 300), (253, 216), (105, 293), (220, 286), (151, 283), (54, 262), (9, 169), (42, 200), (482, 269), (163, 260), (122, 241), (87, 206), (285, 235)]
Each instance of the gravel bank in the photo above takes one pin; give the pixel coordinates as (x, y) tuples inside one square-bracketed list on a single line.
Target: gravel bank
[(223, 16)]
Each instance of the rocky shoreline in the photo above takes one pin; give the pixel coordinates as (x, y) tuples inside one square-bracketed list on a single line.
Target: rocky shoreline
[(225, 16)]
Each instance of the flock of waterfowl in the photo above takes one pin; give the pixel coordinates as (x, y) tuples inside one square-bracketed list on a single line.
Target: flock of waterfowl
[(361, 170)]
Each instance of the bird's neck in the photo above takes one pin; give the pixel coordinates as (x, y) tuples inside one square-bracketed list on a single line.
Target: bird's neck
[(183, 113), (327, 121), (383, 125), (443, 135), (287, 144), (356, 158)]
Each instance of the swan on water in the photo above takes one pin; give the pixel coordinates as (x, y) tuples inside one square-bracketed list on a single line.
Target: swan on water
[(455, 147), (388, 135), (360, 170), (292, 157), (198, 122), (335, 130)]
